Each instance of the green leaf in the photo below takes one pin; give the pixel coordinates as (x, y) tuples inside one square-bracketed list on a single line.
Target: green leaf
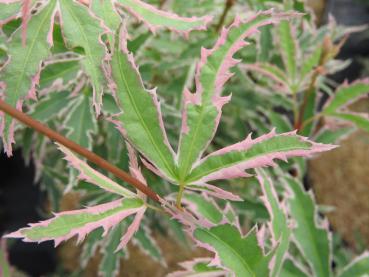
[(311, 62), (81, 122), (360, 120), (53, 105), (279, 225), (82, 30), (290, 269), (333, 136), (147, 243), (309, 112), (141, 117), (205, 207), (242, 255), (359, 267), (110, 263), (92, 242), (345, 95), (270, 71), (288, 45), (23, 68), (9, 10), (198, 267), (279, 121), (266, 44), (58, 75), (106, 11), (312, 240)]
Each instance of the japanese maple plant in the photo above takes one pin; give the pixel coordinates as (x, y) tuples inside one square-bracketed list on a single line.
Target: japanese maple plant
[(74, 66)]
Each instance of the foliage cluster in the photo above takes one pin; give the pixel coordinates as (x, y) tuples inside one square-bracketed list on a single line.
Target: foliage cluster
[(73, 65)]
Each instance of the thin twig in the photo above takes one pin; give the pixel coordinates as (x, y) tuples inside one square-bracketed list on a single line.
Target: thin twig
[(228, 5), (329, 51), (92, 157)]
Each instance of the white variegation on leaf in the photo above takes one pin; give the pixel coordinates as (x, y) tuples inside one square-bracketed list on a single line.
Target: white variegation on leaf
[(21, 73)]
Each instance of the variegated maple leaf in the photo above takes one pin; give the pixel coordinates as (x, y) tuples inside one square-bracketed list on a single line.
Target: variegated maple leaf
[(83, 27), (65, 225), (142, 124)]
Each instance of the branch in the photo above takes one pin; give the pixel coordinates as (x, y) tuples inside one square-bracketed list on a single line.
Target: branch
[(90, 156), (228, 5)]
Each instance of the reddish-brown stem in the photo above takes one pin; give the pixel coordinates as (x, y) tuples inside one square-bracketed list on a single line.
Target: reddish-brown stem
[(228, 5), (90, 156), (329, 51)]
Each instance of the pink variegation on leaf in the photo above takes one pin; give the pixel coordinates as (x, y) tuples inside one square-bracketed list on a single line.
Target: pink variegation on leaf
[(238, 169), (178, 24), (107, 222)]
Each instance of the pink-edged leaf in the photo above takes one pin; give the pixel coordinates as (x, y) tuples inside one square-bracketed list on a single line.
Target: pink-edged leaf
[(290, 50), (156, 19), (232, 161), (26, 11), (291, 268), (136, 173), (21, 72), (203, 207), (214, 191), (107, 12), (234, 252), (147, 244), (83, 29), (66, 225), (111, 259), (345, 95), (271, 71), (311, 233), (202, 110), (278, 224), (239, 254), (9, 10), (132, 229), (92, 176), (198, 267), (140, 121)]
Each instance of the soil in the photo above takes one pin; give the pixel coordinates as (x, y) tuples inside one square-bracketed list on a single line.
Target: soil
[(340, 179)]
